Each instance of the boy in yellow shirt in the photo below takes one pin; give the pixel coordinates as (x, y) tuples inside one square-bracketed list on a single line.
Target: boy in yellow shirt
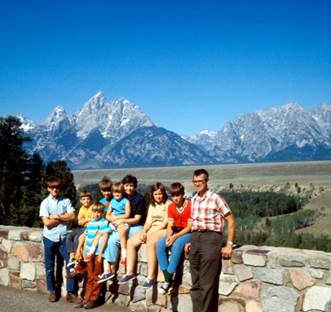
[(84, 217)]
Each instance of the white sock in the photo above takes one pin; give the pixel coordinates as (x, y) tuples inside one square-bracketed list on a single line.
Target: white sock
[(123, 253)]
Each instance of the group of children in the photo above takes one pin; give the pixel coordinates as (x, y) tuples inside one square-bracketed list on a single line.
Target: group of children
[(121, 221)]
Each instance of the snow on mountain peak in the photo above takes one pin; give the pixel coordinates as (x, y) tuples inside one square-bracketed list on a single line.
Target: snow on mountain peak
[(114, 119), (26, 124)]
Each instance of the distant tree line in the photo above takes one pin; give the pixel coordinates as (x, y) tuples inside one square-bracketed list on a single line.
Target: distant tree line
[(23, 177), (269, 218)]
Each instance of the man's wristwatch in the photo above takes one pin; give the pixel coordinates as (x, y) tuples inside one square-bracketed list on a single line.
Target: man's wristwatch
[(229, 243)]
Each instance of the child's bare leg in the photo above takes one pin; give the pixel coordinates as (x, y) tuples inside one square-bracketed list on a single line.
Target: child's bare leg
[(123, 231)]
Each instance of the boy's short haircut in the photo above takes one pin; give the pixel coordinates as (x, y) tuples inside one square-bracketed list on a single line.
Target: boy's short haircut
[(177, 188), (85, 194), (53, 181), (98, 207), (105, 184), (117, 187), (130, 179), (199, 172)]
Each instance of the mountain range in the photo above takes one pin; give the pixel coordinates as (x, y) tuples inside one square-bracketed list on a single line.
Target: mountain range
[(117, 133)]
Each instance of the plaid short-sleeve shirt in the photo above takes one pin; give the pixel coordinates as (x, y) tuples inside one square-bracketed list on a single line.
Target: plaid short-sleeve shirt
[(208, 212)]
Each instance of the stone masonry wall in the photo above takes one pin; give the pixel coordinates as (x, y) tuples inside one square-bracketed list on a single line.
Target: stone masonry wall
[(255, 279)]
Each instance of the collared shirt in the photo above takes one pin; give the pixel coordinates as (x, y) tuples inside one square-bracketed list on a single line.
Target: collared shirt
[(55, 206), (208, 212), (85, 213), (180, 216), (91, 231)]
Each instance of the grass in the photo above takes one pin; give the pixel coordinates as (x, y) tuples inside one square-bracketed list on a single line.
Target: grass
[(317, 173), (303, 173)]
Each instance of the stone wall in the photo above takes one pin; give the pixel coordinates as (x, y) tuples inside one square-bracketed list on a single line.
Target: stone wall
[(255, 279)]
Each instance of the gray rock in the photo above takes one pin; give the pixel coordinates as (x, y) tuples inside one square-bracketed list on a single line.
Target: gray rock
[(242, 272), (279, 299), (272, 276), (315, 273), (28, 271), (227, 284), (292, 259), (320, 262), (4, 277), (255, 257), (181, 303), (317, 298), (13, 263)]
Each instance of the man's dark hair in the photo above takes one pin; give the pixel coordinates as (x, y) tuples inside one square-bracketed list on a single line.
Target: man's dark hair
[(130, 179), (200, 172)]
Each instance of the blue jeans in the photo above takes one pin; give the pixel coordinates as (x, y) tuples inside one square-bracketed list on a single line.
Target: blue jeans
[(111, 252), (177, 249), (51, 250), (72, 239)]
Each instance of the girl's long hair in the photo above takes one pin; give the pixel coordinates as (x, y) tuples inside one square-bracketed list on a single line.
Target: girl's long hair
[(155, 187)]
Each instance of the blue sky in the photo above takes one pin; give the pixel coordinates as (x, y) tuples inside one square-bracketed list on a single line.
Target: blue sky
[(190, 65)]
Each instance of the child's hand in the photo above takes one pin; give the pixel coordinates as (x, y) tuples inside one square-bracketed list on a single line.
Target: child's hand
[(143, 236), (170, 241), (187, 248), (78, 256), (117, 222), (91, 251)]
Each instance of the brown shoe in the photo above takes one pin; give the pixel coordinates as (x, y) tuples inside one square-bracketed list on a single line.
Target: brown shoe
[(90, 305), (71, 298), (52, 296), (80, 304)]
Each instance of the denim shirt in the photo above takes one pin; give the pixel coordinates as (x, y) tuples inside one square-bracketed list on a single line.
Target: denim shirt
[(55, 206)]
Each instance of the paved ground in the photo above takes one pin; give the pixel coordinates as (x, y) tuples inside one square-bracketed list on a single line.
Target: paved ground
[(12, 300)]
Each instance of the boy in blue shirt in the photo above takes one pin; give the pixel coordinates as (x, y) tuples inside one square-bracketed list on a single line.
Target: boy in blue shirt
[(55, 212), (105, 186), (118, 211)]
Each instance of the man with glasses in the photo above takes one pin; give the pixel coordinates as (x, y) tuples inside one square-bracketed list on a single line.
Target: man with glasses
[(55, 212), (209, 211)]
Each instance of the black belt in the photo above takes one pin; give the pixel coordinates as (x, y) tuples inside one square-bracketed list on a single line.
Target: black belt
[(206, 231)]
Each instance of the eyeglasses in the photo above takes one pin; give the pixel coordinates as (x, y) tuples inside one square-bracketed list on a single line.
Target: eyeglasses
[(54, 187), (198, 181)]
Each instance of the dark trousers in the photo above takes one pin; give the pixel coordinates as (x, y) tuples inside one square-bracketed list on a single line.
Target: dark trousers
[(93, 289), (205, 264), (72, 239), (52, 249)]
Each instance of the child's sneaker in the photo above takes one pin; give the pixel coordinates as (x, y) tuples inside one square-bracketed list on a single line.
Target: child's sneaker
[(105, 277), (163, 289), (126, 279), (148, 283)]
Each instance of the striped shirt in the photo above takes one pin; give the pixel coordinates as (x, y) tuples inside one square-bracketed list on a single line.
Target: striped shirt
[(208, 212), (91, 231)]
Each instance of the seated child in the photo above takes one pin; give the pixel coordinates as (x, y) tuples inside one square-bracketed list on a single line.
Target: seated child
[(119, 209), (105, 186), (91, 248), (178, 234), (84, 216)]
